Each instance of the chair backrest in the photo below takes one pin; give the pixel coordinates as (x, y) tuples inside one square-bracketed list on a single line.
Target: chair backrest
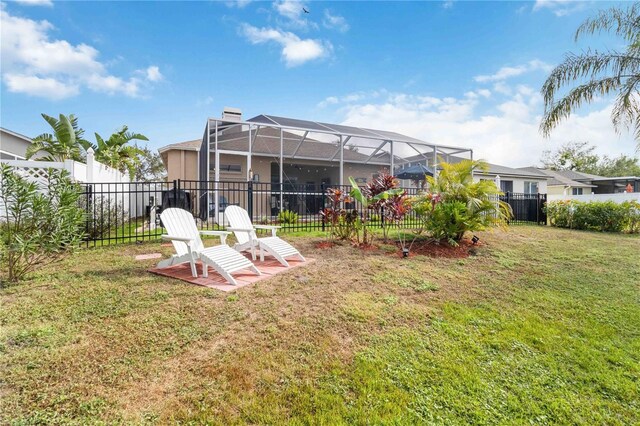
[(239, 218), (180, 223)]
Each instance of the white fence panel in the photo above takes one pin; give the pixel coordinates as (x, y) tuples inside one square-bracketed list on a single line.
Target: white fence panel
[(617, 197)]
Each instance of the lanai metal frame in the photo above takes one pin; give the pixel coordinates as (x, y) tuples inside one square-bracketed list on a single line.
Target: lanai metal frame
[(344, 134)]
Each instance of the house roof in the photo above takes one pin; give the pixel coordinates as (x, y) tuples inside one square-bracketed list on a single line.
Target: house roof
[(267, 143), (493, 169), (563, 177), (16, 134), (182, 146), (316, 126)]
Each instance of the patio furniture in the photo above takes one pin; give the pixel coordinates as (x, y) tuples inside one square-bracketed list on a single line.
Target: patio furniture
[(184, 235), (245, 233)]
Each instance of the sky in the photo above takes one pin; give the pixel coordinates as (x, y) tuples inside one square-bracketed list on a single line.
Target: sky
[(451, 72)]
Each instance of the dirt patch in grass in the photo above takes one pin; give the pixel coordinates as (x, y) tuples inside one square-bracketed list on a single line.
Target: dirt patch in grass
[(464, 249)]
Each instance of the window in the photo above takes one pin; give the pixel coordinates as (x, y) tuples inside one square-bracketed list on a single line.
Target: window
[(576, 191), (530, 187), (506, 185), (231, 168), (8, 156)]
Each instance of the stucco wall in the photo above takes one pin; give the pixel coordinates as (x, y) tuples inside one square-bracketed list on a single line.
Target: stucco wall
[(182, 165)]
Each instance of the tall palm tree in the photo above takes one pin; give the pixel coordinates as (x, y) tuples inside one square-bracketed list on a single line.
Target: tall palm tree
[(64, 144), (599, 73), (116, 151)]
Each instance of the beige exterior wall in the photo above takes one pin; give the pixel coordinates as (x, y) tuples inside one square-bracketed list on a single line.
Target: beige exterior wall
[(181, 165), (560, 190)]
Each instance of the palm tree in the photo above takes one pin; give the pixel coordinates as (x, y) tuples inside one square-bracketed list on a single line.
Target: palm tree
[(600, 73), (116, 151), (64, 144)]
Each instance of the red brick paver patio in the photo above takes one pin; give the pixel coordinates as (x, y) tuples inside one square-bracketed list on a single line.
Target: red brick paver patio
[(269, 268)]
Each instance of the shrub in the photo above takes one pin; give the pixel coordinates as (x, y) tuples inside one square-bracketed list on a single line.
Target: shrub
[(455, 204), (39, 225), (288, 217), (343, 224), (105, 215), (603, 216)]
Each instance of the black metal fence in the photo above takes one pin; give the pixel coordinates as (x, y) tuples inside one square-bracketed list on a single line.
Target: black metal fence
[(130, 212)]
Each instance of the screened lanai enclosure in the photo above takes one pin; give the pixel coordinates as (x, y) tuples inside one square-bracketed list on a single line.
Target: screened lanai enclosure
[(268, 164)]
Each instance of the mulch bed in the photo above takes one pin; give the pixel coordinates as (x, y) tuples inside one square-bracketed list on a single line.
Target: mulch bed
[(441, 249)]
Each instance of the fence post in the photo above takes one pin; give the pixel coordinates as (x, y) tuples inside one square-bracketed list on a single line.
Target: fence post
[(322, 203), (250, 199), (87, 193)]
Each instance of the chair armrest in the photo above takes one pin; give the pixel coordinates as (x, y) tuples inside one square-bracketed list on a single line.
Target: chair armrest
[(222, 234), (176, 238), (266, 227), (273, 228), (241, 229)]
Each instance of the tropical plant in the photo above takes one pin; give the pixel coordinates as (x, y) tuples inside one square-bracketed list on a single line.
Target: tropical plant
[(65, 143), (40, 225), (116, 152), (455, 204), (373, 197), (288, 217), (386, 200), (343, 224), (599, 73)]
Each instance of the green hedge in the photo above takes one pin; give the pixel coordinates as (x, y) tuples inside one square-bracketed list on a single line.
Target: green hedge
[(604, 216)]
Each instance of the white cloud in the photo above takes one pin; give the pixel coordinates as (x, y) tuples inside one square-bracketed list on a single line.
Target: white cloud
[(447, 4), (295, 51), (335, 22), (505, 73), (293, 11), (559, 7), (505, 132), (47, 3), (153, 73), (44, 87), (240, 4), (34, 64)]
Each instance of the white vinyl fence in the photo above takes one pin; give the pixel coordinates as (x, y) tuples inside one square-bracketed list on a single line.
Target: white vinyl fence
[(93, 171), (617, 197)]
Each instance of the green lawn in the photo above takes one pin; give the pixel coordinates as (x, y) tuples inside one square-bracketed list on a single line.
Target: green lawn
[(542, 326)]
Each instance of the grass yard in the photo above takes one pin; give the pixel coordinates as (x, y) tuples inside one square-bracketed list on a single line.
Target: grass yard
[(542, 326)]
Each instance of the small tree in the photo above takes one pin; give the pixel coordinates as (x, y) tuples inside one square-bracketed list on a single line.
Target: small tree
[(151, 167), (39, 225), (455, 204)]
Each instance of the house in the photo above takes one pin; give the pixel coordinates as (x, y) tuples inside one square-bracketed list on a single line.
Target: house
[(13, 145), (512, 180), (571, 182), (313, 167), (286, 158)]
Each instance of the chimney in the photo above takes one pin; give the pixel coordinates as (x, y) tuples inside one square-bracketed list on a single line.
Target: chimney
[(232, 114)]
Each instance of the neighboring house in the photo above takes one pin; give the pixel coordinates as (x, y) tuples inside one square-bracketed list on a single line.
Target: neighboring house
[(512, 180), (13, 145), (181, 160), (570, 182)]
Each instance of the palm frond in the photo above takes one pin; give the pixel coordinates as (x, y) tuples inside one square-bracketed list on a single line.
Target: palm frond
[(590, 65), (574, 99), (623, 23)]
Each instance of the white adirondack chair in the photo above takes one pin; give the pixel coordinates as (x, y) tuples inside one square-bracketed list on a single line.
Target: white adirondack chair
[(245, 233), (183, 233)]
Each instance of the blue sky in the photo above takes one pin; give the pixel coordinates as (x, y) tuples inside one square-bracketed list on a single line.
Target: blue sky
[(458, 73)]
